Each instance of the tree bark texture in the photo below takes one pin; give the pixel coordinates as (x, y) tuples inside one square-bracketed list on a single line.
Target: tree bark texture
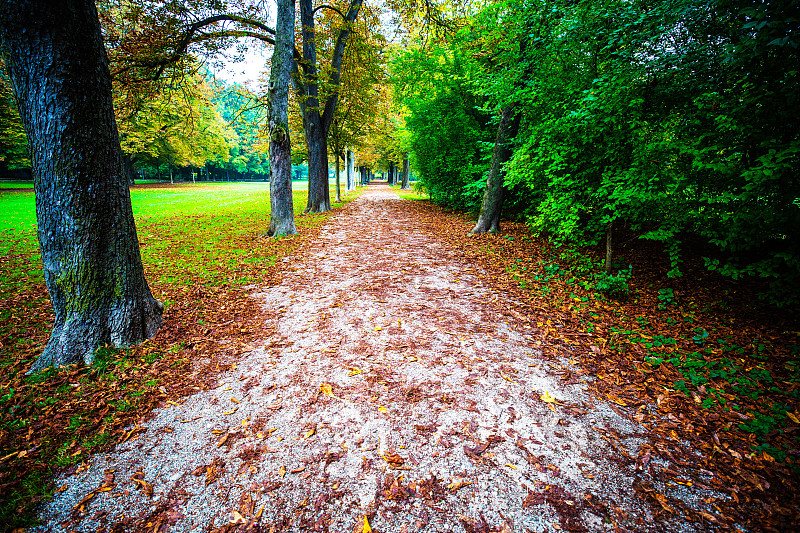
[(406, 171), (280, 149), (493, 195), (317, 117), (349, 163), (609, 247), (338, 180), (89, 247)]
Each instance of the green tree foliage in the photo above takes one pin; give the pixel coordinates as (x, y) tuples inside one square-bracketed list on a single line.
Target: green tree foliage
[(13, 142), (671, 119), (178, 127), (448, 133), (246, 113)]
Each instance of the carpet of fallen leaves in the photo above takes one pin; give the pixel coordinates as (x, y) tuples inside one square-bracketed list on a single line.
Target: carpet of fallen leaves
[(208, 328), (763, 489), (58, 420)]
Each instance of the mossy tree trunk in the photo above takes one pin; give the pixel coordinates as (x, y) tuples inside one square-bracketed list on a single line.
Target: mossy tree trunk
[(90, 251), (280, 149), (493, 195)]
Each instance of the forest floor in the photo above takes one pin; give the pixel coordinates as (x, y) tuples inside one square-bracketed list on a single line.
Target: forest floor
[(396, 383)]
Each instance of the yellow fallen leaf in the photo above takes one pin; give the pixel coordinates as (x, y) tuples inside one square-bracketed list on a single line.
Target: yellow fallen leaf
[(793, 417), (234, 400), (366, 528), (376, 329), (227, 389), (326, 389), (548, 398), (226, 413), (382, 409), (616, 400), (309, 433), (512, 466), (237, 518), (506, 377), (355, 371), (413, 358), (282, 471), (172, 403), (260, 436)]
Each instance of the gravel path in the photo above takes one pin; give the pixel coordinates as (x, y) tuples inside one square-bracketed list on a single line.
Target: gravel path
[(398, 386)]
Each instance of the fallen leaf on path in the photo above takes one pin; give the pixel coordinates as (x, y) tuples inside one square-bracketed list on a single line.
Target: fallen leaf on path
[(460, 484), (237, 518), (506, 377), (393, 458)]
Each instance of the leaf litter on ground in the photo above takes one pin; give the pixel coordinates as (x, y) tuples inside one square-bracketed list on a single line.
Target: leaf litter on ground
[(648, 428)]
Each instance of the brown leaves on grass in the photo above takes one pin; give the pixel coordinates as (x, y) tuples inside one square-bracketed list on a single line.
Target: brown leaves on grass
[(62, 417)]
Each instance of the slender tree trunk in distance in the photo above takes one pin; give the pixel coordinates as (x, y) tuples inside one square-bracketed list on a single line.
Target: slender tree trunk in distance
[(609, 246), (349, 170), (280, 149), (338, 180), (406, 170), (90, 251), (493, 195)]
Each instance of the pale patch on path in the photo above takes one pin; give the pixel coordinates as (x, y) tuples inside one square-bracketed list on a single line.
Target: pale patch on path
[(399, 385)]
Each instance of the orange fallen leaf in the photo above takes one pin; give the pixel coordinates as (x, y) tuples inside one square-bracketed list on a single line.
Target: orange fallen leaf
[(455, 485)]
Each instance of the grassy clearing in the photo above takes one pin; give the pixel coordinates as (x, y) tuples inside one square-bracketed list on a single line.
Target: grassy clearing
[(16, 184), (202, 245)]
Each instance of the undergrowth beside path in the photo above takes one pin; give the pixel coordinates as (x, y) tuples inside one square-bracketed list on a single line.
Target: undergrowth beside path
[(681, 356)]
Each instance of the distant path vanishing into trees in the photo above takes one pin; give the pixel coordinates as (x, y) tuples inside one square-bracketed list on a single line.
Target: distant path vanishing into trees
[(394, 382)]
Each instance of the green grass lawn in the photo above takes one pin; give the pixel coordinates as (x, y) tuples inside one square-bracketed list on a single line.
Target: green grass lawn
[(13, 184)]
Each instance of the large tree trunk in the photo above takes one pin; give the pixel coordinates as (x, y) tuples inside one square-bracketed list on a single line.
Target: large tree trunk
[(319, 194), (493, 195), (90, 251), (280, 148), (406, 170)]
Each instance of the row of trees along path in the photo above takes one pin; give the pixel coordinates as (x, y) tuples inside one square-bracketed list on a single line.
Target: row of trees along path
[(396, 389)]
